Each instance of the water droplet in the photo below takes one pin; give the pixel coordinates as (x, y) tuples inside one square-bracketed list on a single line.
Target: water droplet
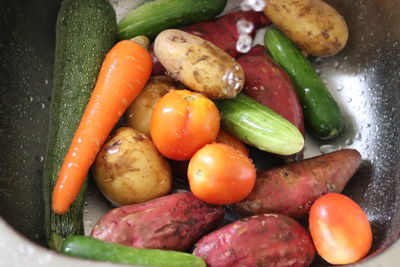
[(319, 60), (349, 100), (30, 98), (244, 26), (325, 149), (39, 158), (243, 44), (41, 105), (113, 149), (349, 142), (46, 82), (330, 187), (336, 65), (358, 136), (340, 88), (368, 125), (256, 5)]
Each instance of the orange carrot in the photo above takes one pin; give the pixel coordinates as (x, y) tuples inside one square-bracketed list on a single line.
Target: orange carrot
[(122, 76)]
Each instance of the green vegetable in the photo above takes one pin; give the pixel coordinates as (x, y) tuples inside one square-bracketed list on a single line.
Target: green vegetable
[(85, 32), (95, 249), (259, 126), (154, 17), (321, 112)]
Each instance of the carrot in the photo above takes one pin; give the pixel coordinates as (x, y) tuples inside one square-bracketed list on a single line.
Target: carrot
[(122, 76)]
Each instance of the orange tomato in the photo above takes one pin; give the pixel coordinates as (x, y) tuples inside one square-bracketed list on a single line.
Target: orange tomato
[(182, 122), (227, 139), (219, 174), (340, 229)]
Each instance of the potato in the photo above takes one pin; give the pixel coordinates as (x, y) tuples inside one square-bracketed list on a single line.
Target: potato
[(313, 25), (138, 114), (264, 240), (173, 222), (129, 169), (198, 64)]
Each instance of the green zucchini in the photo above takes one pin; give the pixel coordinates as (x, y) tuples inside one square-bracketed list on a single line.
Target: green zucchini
[(259, 126), (95, 249), (153, 17), (322, 114), (85, 32)]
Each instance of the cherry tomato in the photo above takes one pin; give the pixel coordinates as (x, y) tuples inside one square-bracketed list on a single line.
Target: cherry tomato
[(340, 229), (219, 174), (182, 122)]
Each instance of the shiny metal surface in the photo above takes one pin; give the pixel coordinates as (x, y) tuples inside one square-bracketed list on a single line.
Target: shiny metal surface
[(364, 78)]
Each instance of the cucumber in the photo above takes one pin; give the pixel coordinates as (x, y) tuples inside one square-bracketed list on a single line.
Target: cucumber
[(322, 115), (95, 249), (85, 32), (152, 18), (259, 126)]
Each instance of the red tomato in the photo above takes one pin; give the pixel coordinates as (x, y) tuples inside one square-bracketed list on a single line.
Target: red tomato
[(182, 122), (220, 174), (340, 229)]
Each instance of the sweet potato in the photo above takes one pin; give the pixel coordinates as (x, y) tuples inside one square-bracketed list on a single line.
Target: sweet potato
[(264, 240), (267, 83), (173, 222), (222, 32), (292, 189)]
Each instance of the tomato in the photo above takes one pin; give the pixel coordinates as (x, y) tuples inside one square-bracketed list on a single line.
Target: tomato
[(182, 122), (220, 174), (340, 229)]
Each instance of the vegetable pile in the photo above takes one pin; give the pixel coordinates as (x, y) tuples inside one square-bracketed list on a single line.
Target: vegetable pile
[(189, 107)]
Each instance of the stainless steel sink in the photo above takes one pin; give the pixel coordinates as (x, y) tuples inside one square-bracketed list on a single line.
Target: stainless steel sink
[(364, 78)]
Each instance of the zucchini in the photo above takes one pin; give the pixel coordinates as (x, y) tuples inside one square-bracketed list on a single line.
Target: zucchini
[(259, 126), (85, 32), (153, 17), (322, 114), (95, 249)]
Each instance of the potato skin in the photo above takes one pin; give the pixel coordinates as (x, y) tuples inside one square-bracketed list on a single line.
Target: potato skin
[(138, 114), (264, 240), (198, 64), (129, 169), (313, 25), (173, 222), (293, 188)]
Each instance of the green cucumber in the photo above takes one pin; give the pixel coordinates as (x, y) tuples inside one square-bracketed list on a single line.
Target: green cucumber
[(321, 112), (259, 126), (95, 249), (153, 17), (85, 32)]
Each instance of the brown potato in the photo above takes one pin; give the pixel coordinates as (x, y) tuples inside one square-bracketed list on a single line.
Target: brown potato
[(130, 170), (138, 114), (313, 25), (198, 64)]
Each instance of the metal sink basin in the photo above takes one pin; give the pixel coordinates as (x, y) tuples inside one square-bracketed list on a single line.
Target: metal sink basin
[(364, 78)]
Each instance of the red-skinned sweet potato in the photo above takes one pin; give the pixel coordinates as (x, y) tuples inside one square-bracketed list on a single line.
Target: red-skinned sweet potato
[(222, 32), (293, 188), (264, 240), (173, 222), (267, 83)]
